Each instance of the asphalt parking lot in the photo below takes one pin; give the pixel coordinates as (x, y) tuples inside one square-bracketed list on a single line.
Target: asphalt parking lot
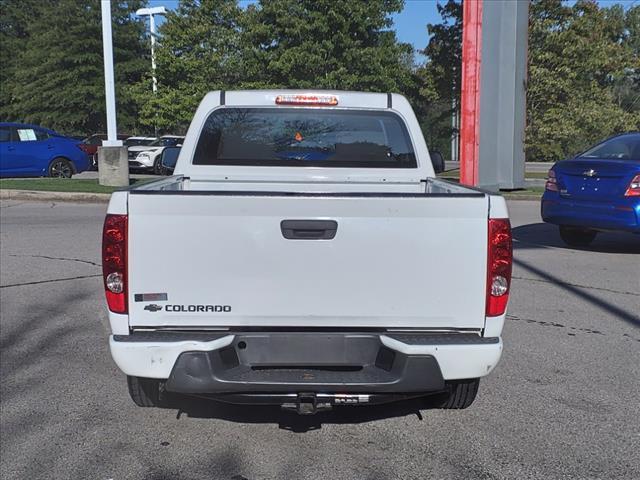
[(563, 402)]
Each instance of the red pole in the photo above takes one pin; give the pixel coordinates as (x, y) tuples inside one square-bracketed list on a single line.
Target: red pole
[(470, 95)]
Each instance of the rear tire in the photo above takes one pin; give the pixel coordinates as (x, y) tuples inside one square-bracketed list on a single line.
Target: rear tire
[(60, 168), (460, 394), (577, 237), (145, 392), (157, 166)]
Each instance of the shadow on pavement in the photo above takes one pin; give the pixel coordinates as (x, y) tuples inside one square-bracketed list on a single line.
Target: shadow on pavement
[(194, 407), (581, 292), (544, 235)]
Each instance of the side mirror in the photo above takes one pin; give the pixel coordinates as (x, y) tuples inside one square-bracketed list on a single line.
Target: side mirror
[(438, 161), (169, 159)]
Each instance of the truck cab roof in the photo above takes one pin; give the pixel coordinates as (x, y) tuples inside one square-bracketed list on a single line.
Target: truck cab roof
[(312, 103)]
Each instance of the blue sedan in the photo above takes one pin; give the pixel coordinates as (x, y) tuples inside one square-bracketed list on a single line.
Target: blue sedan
[(32, 151), (597, 190)]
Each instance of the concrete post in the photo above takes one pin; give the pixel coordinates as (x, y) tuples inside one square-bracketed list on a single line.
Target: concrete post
[(113, 166), (503, 94)]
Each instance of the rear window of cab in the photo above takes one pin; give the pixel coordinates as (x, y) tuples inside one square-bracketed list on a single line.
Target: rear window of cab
[(304, 137)]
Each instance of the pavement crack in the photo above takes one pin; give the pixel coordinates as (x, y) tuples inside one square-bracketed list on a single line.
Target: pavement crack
[(3, 207), (539, 322), (576, 285), (79, 260), (570, 330), (50, 281)]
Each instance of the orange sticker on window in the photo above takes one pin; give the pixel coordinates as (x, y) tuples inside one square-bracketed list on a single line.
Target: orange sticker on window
[(298, 137)]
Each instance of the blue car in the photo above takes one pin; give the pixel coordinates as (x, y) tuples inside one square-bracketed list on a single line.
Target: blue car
[(32, 151), (598, 190)]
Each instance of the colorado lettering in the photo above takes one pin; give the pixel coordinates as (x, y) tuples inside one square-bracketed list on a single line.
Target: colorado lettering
[(198, 308)]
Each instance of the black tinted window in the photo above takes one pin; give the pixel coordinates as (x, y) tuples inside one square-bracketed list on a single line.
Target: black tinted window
[(304, 137), (5, 134), (626, 147), (133, 142), (94, 140), (41, 134), (166, 142)]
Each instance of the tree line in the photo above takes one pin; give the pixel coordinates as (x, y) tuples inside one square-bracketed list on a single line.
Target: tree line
[(583, 74)]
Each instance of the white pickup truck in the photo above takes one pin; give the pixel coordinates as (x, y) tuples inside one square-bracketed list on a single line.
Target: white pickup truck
[(304, 255)]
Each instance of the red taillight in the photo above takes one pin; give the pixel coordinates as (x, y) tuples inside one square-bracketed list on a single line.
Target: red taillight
[(634, 187), (552, 182), (114, 262), (83, 146), (500, 258)]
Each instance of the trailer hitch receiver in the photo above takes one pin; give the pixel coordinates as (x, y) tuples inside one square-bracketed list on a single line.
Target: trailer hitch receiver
[(307, 404)]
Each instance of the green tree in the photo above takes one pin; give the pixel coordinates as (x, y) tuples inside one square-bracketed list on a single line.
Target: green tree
[(213, 44), (581, 59), (15, 18), (627, 87), (583, 76), (440, 76), (56, 70), (333, 44), (199, 51)]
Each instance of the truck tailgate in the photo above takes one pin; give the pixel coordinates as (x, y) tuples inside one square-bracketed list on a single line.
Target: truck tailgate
[(222, 259)]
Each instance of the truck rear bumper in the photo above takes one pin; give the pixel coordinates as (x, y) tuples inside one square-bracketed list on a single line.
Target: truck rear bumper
[(286, 362)]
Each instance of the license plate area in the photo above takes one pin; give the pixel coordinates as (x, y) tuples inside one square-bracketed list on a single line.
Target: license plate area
[(297, 350)]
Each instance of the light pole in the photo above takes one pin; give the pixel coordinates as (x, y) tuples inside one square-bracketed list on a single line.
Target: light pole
[(109, 84), (150, 12), (113, 166)]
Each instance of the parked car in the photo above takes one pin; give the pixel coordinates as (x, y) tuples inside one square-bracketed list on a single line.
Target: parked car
[(91, 144), (33, 151), (148, 157), (306, 266), (138, 141), (595, 191)]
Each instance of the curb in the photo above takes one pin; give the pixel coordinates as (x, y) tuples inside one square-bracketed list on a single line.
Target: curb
[(522, 197), (44, 196)]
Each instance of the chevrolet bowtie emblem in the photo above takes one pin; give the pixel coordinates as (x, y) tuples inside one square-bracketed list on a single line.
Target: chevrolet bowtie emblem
[(590, 173)]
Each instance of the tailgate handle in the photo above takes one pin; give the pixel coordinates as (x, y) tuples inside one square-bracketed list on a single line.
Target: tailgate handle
[(308, 229)]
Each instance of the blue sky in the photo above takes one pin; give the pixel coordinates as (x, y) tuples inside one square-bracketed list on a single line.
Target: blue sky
[(411, 23)]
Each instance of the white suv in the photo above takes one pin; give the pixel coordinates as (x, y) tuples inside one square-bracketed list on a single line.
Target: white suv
[(147, 157)]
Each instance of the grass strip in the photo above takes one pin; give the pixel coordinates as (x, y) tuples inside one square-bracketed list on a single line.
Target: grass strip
[(80, 185)]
